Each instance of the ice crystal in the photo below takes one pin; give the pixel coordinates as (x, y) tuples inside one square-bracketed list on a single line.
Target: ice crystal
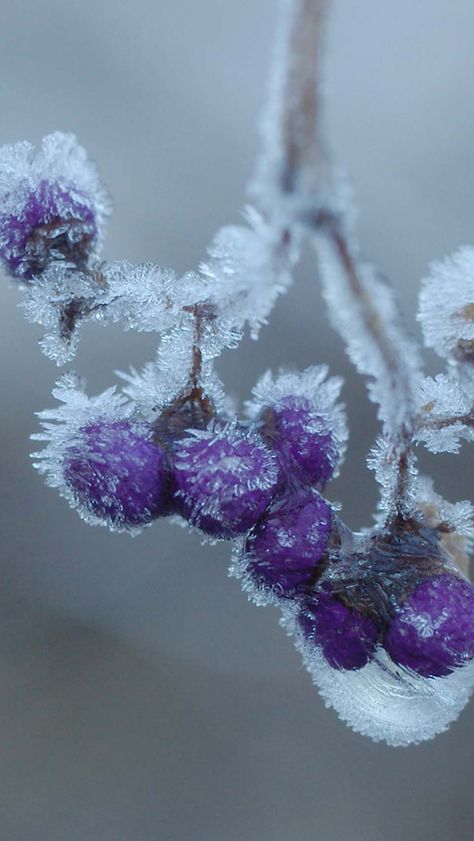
[(447, 305), (447, 416), (390, 361)]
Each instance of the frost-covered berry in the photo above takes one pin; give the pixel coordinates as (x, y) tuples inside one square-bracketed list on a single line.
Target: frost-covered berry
[(302, 439), (432, 631), (299, 418), (52, 206), (346, 637), (116, 473), (288, 543), (224, 479)]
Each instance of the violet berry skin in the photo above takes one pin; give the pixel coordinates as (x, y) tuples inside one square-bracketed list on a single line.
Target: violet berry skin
[(432, 632), (288, 543), (347, 638), (223, 480), (56, 221), (302, 439), (117, 474)]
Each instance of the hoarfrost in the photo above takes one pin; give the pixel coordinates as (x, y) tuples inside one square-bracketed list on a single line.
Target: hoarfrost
[(447, 305), (383, 701), (249, 268), (371, 327), (447, 415)]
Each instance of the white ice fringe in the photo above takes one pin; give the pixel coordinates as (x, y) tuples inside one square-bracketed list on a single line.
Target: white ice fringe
[(382, 701), (447, 302)]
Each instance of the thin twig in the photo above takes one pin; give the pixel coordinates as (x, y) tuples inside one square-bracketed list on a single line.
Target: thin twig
[(305, 175)]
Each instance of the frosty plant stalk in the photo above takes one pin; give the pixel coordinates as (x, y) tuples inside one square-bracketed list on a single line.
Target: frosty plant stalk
[(383, 617)]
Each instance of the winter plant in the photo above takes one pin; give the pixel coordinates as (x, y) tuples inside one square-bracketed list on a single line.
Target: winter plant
[(384, 617)]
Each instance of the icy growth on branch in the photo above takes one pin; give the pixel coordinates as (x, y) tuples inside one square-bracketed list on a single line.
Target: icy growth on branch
[(159, 382), (447, 306), (454, 522), (384, 459), (447, 415), (363, 309), (59, 301), (52, 205), (249, 267), (383, 701)]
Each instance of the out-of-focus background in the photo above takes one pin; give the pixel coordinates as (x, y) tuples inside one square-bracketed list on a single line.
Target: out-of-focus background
[(141, 696)]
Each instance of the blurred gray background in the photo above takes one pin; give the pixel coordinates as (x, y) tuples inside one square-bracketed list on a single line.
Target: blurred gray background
[(142, 697)]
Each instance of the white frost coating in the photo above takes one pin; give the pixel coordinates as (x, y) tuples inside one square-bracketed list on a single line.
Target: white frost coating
[(154, 387), (447, 416), (458, 516), (392, 378), (313, 384), (60, 290), (248, 268), (382, 459), (447, 302), (60, 160), (61, 428), (383, 701)]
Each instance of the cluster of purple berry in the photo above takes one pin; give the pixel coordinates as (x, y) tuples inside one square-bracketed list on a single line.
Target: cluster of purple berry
[(260, 481)]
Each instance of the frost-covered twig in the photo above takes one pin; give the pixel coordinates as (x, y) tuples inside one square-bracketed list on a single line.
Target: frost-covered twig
[(295, 175)]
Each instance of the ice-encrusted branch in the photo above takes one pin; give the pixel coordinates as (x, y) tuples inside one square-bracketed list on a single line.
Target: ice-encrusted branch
[(299, 179)]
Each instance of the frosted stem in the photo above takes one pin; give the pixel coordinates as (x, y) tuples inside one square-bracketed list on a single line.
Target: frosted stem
[(297, 175)]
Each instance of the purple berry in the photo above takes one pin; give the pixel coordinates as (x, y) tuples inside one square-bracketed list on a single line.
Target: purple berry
[(224, 480), (287, 544), (54, 221), (117, 473), (301, 438), (346, 637), (432, 631)]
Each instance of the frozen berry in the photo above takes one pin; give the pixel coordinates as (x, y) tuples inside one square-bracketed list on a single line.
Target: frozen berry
[(224, 479), (346, 637), (432, 631), (52, 206), (117, 474), (302, 438), (288, 543), (53, 223)]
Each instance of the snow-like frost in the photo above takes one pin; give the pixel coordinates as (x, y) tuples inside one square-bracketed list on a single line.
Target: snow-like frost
[(383, 701), (394, 371), (446, 414), (249, 267), (447, 305)]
